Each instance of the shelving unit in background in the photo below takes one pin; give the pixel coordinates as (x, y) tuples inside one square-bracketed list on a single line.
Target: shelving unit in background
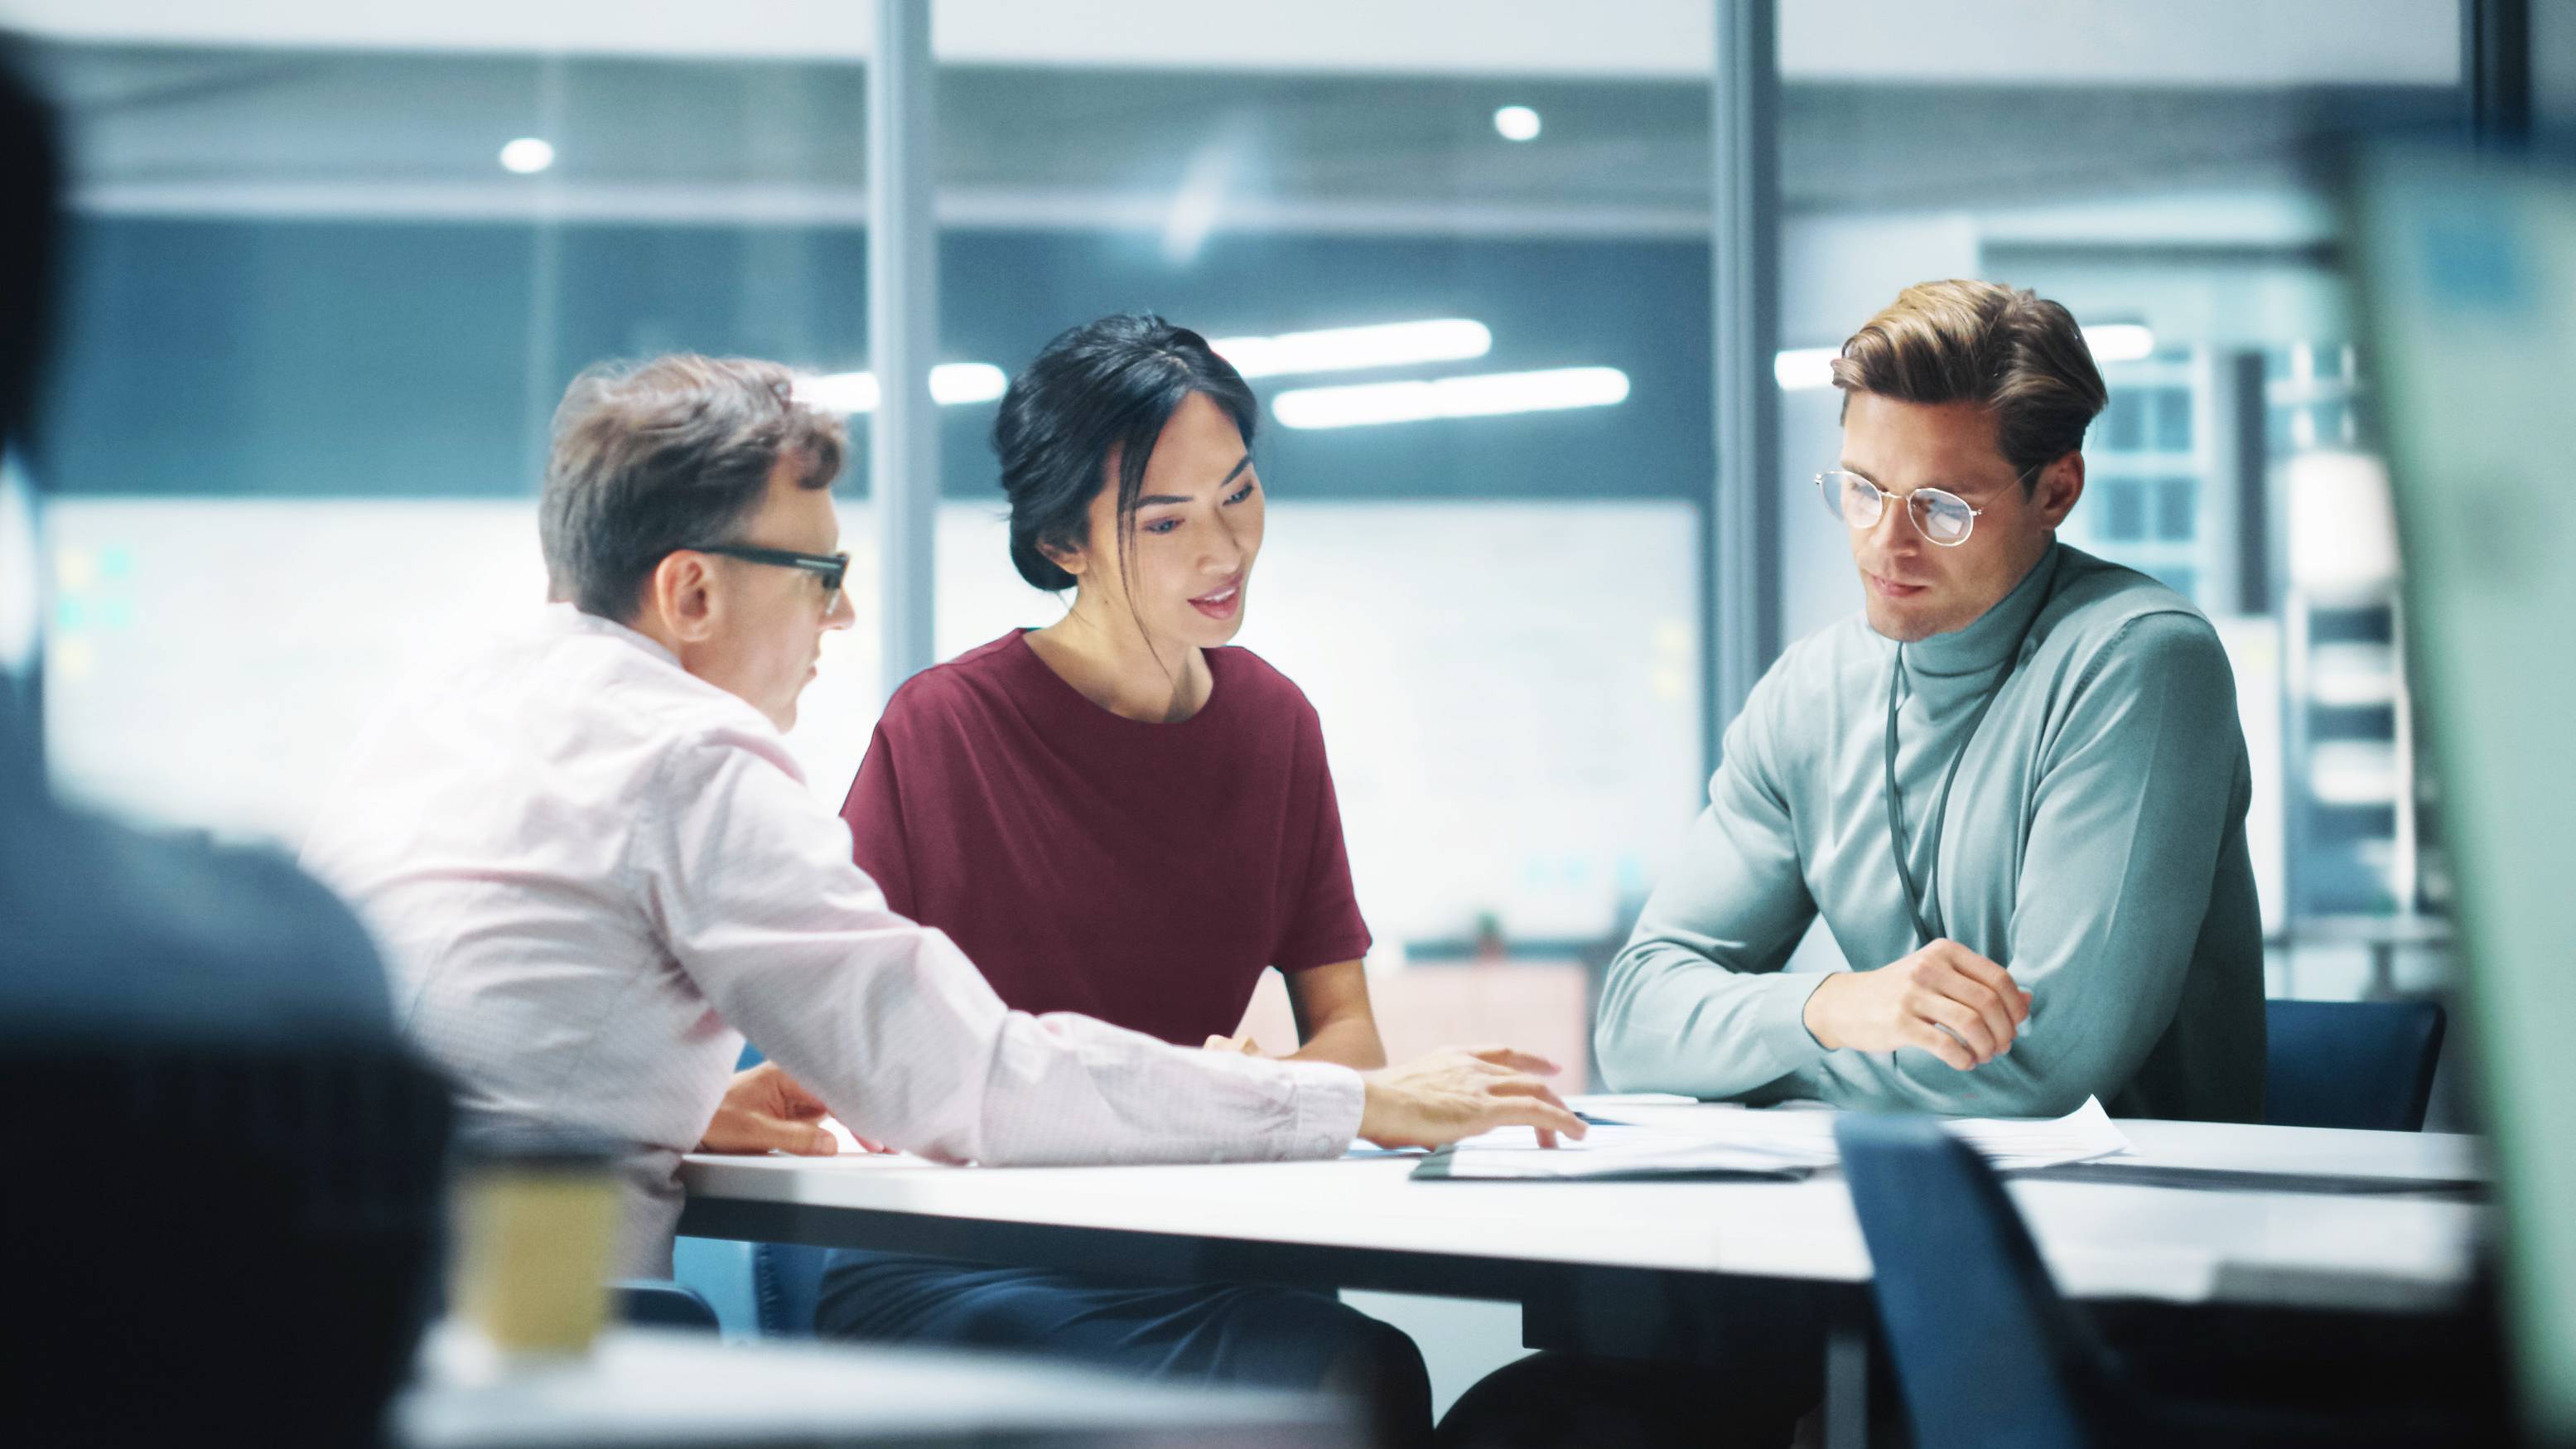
[(2159, 496), (2360, 868), (2241, 481)]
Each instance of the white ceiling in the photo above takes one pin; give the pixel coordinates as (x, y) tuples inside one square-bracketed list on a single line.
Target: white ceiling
[(2252, 43), (2145, 126)]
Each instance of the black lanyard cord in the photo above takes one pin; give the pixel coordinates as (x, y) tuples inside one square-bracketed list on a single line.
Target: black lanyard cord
[(1918, 895)]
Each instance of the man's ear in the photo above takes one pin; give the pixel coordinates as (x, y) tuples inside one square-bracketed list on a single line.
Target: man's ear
[(681, 594), (2060, 484)]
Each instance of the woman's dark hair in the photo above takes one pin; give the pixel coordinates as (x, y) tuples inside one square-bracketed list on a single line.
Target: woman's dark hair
[(1101, 389)]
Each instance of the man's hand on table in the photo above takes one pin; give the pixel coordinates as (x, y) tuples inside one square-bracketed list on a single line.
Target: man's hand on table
[(1435, 1100), (766, 1110), (1945, 998)]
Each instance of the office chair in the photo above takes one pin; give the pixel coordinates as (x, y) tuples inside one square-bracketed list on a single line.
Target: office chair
[(226, 1238), (660, 1303), (2362, 1064), (1988, 1355), (772, 1288)]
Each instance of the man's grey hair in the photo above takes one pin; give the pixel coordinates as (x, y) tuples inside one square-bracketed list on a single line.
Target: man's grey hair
[(668, 454)]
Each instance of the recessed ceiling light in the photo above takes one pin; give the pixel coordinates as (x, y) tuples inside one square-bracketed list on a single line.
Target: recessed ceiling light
[(527, 156), (1516, 123)]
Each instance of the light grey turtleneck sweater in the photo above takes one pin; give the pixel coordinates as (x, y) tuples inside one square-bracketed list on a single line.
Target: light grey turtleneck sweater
[(2095, 848)]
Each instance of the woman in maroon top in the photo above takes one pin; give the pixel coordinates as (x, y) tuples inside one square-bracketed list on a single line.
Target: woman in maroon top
[(1122, 816), (1116, 814)]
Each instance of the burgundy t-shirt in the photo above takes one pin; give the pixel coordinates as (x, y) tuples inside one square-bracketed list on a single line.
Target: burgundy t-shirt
[(1140, 873)]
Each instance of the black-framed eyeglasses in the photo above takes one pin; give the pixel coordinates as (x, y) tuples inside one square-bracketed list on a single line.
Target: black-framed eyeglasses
[(1940, 515), (830, 567)]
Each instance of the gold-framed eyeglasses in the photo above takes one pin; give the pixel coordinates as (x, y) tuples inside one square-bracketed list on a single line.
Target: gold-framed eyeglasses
[(1940, 515)]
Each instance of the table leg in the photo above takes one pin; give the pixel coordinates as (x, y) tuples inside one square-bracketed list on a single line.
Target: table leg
[(2383, 972), (1846, 1406)]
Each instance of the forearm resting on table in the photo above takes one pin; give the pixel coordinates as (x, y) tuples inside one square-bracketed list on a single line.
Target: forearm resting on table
[(1673, 1020)]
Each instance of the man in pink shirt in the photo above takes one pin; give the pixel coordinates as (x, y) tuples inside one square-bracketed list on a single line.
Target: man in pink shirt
[(596, 867)]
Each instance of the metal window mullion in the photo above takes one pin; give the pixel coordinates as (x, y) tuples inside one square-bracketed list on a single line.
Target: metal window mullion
[(1742, 584), (903, 335), (2495, 66)]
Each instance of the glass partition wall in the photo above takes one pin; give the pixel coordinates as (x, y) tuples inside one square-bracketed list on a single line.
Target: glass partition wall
[(324, 299), (333, 274), (1470, 286)]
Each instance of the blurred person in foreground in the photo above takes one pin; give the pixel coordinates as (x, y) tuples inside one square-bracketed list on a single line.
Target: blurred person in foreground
[(160, 1001), (596, 866)]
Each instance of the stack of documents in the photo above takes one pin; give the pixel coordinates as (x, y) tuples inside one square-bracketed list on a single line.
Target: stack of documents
[(1724, 1142)]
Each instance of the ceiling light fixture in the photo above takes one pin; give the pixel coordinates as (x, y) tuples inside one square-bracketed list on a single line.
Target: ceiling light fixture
[(951, 384), (1344, 349), (1804, 369), (2121, 342), (1799, 369), (1485, 395), (1516, 123), (527, 156)]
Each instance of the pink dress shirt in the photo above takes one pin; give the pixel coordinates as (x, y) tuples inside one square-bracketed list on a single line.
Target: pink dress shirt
[(593, 874)]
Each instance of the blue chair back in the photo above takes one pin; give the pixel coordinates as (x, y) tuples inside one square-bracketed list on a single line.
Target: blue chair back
[(2362, 1064), (1986, 1351), (656, 1303), (764, 1290), (719, 1270)]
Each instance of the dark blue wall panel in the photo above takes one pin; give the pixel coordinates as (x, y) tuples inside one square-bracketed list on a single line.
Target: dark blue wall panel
[(393, 359)]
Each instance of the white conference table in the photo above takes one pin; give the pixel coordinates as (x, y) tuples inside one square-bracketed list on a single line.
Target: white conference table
[(1359, 1222), (1615, 1267)]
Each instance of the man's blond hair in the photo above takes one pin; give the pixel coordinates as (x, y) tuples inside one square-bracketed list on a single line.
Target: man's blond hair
[(2016, 354)]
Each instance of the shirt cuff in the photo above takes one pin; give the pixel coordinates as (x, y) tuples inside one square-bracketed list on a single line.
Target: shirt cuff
[(1325, 1103), (1782, 1022)]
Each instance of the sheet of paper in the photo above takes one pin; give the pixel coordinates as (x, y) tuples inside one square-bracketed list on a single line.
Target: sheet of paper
[(1621, 1153), (2006, 1143), (2082, 1135), (1623, 1150), (1765, 1140)]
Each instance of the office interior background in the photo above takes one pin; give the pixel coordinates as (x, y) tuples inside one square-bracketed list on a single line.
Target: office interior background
[(334, 265)]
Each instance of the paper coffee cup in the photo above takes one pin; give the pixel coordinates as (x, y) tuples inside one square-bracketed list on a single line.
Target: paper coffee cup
[(536, 1224)]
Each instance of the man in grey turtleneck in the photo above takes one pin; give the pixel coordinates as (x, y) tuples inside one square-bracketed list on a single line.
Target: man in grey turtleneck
[(2014, 786)]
